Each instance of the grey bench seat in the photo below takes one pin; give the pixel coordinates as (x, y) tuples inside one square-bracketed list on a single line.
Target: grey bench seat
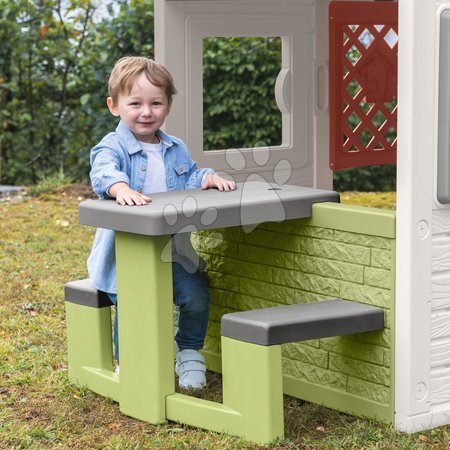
[(279, 325), (82, 293)]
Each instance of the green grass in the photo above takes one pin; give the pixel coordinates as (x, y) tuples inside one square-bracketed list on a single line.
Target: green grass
[(41, 248), (385, 200)]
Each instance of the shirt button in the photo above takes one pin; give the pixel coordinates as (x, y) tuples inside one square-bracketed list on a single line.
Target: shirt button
[(143, 167), (181, 168)]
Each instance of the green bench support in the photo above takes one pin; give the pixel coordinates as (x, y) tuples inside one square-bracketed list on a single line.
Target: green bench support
[(89, 338), (251, 364), (251, 358), (88, 319)]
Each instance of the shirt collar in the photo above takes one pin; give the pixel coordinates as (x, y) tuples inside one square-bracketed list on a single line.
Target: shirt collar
[(132, 143), (165, 138)]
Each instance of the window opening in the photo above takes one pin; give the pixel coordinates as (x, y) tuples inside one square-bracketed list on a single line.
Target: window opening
[(239, 107)]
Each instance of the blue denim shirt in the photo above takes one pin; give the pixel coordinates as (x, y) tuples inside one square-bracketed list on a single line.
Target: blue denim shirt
[(119, 157)]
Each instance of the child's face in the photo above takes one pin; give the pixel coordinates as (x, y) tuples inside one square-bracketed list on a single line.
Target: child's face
[(143, 109)]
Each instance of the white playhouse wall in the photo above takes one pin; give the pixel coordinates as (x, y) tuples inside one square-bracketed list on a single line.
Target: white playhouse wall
[(422, 388), (422, 317)]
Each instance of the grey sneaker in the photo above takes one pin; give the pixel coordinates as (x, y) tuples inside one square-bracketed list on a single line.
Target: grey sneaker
[(190, 368)]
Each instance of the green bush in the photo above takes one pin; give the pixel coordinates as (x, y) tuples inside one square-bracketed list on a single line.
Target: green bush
[(366, 179), (50, 183), (238, 98), (55, 59)]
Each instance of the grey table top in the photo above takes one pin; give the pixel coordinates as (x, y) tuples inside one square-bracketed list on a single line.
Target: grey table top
[(195, 209)]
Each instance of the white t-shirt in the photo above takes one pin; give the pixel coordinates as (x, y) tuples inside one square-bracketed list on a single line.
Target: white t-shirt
[(155, 181), (155, 176)]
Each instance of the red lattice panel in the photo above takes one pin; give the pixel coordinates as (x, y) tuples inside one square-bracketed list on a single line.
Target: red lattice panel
[(363, 83)]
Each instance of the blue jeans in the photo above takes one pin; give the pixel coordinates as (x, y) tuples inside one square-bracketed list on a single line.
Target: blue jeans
[(190, 293)]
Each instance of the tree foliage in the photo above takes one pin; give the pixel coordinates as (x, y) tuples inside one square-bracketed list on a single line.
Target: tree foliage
[(55, 58)]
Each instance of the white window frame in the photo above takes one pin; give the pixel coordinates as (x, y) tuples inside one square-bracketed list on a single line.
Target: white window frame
[(179, 33)]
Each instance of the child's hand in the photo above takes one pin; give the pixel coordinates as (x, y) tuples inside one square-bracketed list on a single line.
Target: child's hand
[(126, 196), (212, 180)]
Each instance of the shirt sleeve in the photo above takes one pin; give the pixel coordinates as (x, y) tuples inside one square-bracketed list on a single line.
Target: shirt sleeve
[(105, 170), (197, 177), (204, 176)]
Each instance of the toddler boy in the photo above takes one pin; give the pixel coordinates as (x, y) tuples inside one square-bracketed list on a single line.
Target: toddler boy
[(139, 159)]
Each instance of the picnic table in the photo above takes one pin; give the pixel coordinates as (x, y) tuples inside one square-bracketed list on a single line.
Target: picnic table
[(144, 277)]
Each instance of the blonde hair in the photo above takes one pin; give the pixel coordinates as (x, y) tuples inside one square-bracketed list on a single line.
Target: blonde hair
[(129, 68)]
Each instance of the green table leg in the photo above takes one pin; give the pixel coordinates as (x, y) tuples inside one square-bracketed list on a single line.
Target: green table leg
[(145, 296)]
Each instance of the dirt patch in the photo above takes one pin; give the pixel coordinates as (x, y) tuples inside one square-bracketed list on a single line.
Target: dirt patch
[(77, 190)]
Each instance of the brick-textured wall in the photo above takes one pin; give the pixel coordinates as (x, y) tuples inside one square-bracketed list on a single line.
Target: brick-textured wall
[(302, 261)]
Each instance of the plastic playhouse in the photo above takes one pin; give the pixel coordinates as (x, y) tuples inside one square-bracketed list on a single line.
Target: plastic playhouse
[(340, 305)]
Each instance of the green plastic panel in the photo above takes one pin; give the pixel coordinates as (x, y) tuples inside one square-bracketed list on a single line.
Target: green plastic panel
[(144, 285), (252, 395)]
